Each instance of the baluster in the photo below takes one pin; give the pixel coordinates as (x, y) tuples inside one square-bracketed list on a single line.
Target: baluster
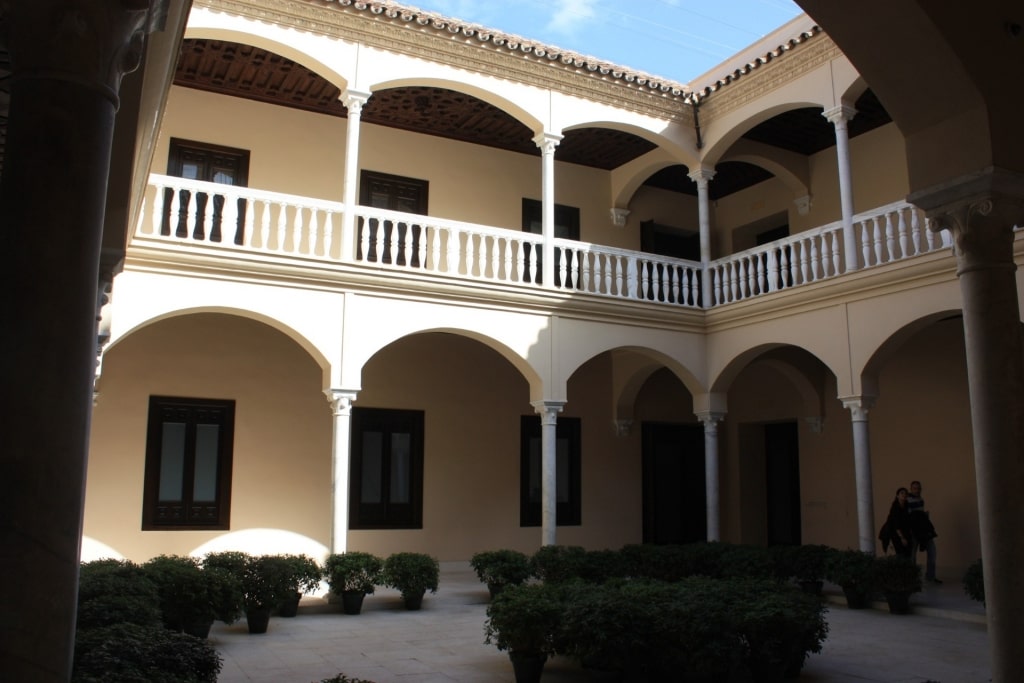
[(189, 212), (249, 208), (265, 225), (157, 219), (620, 274), (632, 278), (733, 281), (451, 251), (835, 252), (815, 262), (676, 286), (329, 233), (495, 256), (785, 276), (604, 273), (585, 272), (877, 232), (772, 268), (904, 238), (313, 230), (684, 290), (865, 244), (716, 286), (506, 260), (282, 227), (801, 247), (915, 230), (656, 284), (890, 238)]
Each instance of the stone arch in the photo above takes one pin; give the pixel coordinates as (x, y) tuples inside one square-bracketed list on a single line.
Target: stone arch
[(892, 343), (315, 353), (801, 383), (723, 144)]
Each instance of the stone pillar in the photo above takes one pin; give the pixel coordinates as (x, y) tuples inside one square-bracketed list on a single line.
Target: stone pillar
[(859, 407), (702, 176), (354, 101), (838, 117), (341, 408), (711, 420), (68, 58), (980, 211), (548, 411), (547, 143)]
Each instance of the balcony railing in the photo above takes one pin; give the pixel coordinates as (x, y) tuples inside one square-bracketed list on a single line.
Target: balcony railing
[(315, 231)]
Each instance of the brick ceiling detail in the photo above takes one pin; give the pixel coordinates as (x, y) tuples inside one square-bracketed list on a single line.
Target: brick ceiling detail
[(253, 73)]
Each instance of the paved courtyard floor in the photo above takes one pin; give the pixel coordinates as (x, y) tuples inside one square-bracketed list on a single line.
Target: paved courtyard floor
[(945, 640)]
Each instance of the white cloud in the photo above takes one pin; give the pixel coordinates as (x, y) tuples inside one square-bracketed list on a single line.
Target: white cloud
[(571, 15)]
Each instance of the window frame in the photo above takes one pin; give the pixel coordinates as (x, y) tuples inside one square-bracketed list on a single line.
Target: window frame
[(392, 515), (567, 513), (151, 503)]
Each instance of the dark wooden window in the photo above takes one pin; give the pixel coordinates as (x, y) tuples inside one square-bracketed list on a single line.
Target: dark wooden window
[(188, 464), (386, 481), (567, 471), (210, 163), (395, 193), (667, 240), (567, 226)]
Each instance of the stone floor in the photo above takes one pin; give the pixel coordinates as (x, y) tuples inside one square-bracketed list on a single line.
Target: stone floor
[(944, 640)]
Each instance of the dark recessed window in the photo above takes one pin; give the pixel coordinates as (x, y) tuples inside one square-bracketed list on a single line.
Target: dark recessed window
[(388, 241), (188, 464), (386, 477), (567, 226), (567, 471)]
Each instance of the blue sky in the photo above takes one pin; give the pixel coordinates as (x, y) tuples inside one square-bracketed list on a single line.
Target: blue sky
[(674, 39)]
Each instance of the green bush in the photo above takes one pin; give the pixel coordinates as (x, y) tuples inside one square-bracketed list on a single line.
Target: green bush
[(129, 653), (974, 582), (266, 581), (304, 575), (896, 574), (114, 592), (411, 573), (353, 572), (745, 562), (191, 595), (501, 568), (853, 570), (558, 563), (810, 562), (524, 619)]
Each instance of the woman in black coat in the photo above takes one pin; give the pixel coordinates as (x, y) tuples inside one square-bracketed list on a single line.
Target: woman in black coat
[(897, 529)]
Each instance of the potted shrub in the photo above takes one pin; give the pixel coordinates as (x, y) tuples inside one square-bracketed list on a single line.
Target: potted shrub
[(116, 592), (501, 568), (558, 563), (897, 577), (413, 574), (810, 567), (266, 581), (852, 571), (305, 576), (523, 620), (192, 597), (353, 576), (974, 582), (130, 652)]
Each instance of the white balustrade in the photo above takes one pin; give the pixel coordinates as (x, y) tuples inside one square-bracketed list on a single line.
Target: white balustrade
[(217, 216)]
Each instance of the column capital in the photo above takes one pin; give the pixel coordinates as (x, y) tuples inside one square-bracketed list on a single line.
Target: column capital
[(839, 115), (548, 410), (701, 175), (340, 400), (90, 44), (622, 427), (547, 141), (618, 215), (710, 420), (803, 204), (354, 100), (979, 210), (859, 406)]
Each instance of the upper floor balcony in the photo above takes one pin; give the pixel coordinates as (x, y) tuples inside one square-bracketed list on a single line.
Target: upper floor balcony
[(259, 228)]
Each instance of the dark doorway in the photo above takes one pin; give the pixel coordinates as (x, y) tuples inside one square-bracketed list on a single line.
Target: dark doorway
[(782, 481), (674, 494)]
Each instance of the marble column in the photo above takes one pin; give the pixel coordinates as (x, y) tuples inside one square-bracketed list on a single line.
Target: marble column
[(67, 61), (702, 177), (839, 117), (341, 408), (711, 486), (859, 407), (547, 143), (354, 101), (981, 211), (548, 411)]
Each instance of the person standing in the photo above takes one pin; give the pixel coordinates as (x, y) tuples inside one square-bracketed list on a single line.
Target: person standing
[(923, 530), (897, 529)]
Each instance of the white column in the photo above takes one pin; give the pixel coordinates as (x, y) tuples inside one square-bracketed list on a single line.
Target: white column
[(711, 420), (547, 143), (341, 407), (980, 212), (839, 116), (702, 176), (354, 101), (548, 411), (859, 407)]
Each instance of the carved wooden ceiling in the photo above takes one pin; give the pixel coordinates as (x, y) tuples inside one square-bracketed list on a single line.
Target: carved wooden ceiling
[(250, 72)]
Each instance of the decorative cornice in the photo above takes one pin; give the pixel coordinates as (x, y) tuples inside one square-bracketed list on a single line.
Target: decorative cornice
[(802, 55), (432, 37)]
